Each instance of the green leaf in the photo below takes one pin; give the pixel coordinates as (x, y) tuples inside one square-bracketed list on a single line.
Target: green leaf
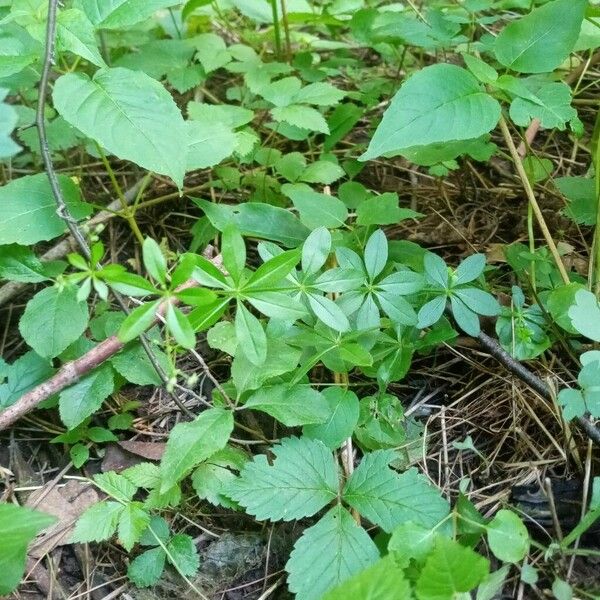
[(8, 121), (322, 171), (431, 312), (440, 103), (132, 523), (465, 318), (19, 526), (540, 41), (19, 263), (183, 554), (572, 403), (282, 91), (154, 260), (551, 105), (469, 269), (231, 115), (86, 396), (233, 250), (508, 537), (127, 283), (274, 270), (329, 553), (382, 581), (412, 541), (436, 270), (133, 364), (341, 420), (52, 320), (397, 308), (146, 475), (581, 194), (480, 69), (128, 113), (304, 117), (115, 485), (301, 481), (97, 523), (138, 320), (315, 250), (24, 374), (321, 93), (208, 144), (207, 274), (277, 305), (251, 335), (28, 209), (382, 210), (291, 405), (15, 56), (376, 253), (75, 33), (388, 499), (180, 327), (327, 311), (191, 443), (117, 14), (145, 570), (493, 584), (585, 315), (316, 210), (450, 570), (479, 301)]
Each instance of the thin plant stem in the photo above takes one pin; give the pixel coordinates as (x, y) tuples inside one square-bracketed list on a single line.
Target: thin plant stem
[(286, 30), (532, 200), (276, 29)]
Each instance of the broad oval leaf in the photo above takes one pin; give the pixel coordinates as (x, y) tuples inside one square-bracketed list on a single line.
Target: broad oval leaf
[(128, 113), (440, 103), (540, 41), (208, 144), (114, 14)]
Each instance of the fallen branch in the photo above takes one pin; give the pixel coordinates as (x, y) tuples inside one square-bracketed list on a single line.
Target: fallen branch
[(72, 371), (532, 380)]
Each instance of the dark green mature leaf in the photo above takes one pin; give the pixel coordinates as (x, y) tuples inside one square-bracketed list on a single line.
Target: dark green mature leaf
[(384, 580), (301, 481), (19, 263), (192, 443), (291, 405), (388, 499), (52, 320), (183, 554), (28, 209), (128, 113), (450, 570), (86, 396), (440, 103), (24, 374), (133, 364), (18, 526), (329, 553), (145, 570), (542, 40)]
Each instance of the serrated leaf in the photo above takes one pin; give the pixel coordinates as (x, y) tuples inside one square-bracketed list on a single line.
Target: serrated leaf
[(322, 171), (329, 553), (85, 397), (53, 319), (552, 107), (183, 554), (411, 541), (211, 478), (28, 209), (540, 41), (291, 405), (508, 537), (115, 485), (19, 526), (450, 570), (144, 475), (24, 374), (145, 570), (97, 523), (440, 103), (388, 499), (191, 443), (341, 421), (208, 144), (128, 113), (304, 117), (117, 14), (132, 523), (133, 364), (301, 481), (321, 93)]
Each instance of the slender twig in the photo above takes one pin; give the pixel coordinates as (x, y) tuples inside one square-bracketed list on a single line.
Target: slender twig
[(49, 58), (532, 380), (537, 211)]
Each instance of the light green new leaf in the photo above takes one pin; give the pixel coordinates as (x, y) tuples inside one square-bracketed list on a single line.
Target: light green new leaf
[(251, 335), (180, 327), (52, 320), (411, 541), (128, 113), (191, 443), (508, 537), (440, 103), (316, 210), (388, 499), (291, 405), (322, 171), (28, 209), (117, 14), (451, 570), (97, 523), (208, 143), (384, 580), (329, 553), (75, 33), (540, 41), (301, 481), (304, 117), (321, 93), (154, 260), (138, 321), (585, 315), (85, 397), (18, 526), (341, 420)]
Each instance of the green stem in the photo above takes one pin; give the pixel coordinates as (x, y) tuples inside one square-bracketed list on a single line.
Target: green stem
[(276, 29)]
